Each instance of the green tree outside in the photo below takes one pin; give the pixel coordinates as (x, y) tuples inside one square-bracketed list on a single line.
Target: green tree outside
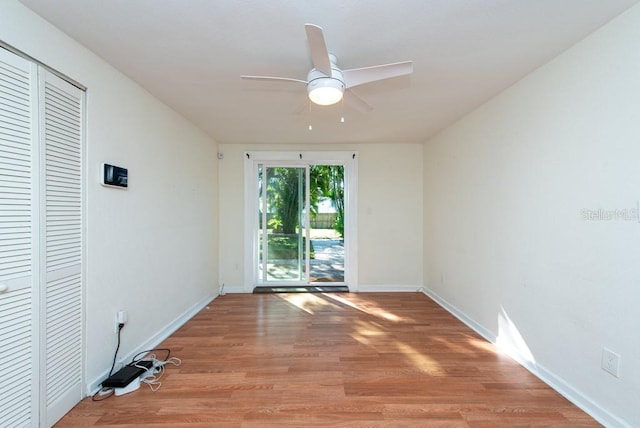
[(326, 181)]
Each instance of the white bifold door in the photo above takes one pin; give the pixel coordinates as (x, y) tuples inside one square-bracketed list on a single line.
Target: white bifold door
[(41, 205)]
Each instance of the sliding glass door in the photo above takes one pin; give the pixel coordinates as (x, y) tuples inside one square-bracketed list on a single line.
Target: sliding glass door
[(299, 222), (283, 234)]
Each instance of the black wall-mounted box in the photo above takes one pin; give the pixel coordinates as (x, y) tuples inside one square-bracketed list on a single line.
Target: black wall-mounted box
[(114, 176)]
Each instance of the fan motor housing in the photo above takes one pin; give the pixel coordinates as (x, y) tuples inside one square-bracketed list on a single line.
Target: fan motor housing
[(332, 86), (336, 74)]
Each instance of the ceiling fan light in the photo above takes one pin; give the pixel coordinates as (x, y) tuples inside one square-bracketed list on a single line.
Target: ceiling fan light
[(326, 91)]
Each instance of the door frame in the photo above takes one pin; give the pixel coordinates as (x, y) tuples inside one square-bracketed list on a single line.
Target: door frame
[(348, 159)]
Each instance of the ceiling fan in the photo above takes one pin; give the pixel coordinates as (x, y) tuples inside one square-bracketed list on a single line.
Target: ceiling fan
[(327, 84)]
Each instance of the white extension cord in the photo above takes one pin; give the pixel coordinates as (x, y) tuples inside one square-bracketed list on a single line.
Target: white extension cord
[(152, 376)]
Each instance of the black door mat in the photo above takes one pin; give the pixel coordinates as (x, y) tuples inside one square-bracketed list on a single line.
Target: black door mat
[(303, 289)]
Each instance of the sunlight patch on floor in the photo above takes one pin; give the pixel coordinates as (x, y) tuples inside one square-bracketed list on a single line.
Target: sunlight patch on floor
[(373, 310), (417, 358), (456, 346), (483, 345), (308, 302), (366, 333)]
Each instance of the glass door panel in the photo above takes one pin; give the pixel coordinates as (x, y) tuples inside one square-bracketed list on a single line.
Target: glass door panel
[(327, 223), (282, 232)]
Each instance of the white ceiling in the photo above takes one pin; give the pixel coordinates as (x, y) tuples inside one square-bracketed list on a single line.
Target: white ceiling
[(190, 54)]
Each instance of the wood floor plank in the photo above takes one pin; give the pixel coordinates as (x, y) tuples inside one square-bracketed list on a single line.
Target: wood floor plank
[(333, 360)]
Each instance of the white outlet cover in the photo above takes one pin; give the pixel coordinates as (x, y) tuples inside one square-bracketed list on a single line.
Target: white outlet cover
[(611, 362)]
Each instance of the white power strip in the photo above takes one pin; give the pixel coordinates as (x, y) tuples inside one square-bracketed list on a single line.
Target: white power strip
[(151, 377), (133, 385)]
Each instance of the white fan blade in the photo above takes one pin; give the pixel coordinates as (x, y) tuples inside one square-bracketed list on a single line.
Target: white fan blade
[(318, 48), (352, 100), (286, 79), (359, 76)]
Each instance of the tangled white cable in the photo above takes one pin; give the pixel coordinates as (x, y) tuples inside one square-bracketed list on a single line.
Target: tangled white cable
[(153, 374)]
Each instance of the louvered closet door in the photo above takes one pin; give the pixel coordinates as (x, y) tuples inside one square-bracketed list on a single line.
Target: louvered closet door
[(62, 131), (18, 243)]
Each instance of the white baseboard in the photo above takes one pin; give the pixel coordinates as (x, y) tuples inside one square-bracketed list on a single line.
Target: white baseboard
[(366, 288), (554, 381), (385, 288), (93, 386), (235, 289), (487, 334)]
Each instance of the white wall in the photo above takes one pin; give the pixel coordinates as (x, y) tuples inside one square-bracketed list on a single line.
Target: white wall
[(151, 249), (506, 241), (389, 213), (390, 217)]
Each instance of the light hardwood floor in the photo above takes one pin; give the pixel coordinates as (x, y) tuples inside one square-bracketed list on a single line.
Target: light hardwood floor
[(343, 360)]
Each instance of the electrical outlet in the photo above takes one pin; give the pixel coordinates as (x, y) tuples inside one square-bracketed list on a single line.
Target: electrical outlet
[(610, 362), (121, 318)]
